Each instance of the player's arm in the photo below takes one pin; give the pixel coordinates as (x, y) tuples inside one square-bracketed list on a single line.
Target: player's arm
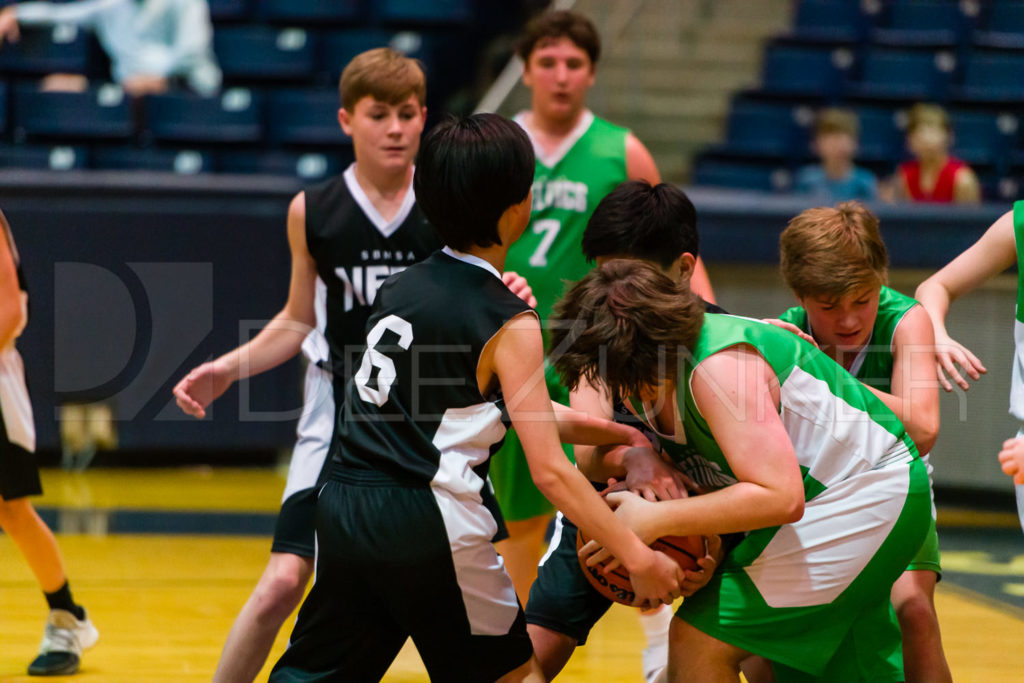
[(515, 357), (915, 391), (281, 338), (737, 393), (12, 308), (639, 466), (579, 427), (994, 252)]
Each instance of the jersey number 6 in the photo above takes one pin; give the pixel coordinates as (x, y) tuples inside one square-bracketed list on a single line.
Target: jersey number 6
[(372, 358)]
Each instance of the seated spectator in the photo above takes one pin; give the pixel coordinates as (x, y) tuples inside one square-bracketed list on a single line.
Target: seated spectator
[(152, 44), (933, 175), (836, 179)]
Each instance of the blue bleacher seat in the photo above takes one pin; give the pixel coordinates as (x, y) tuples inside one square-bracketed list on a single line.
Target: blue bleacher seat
[(905, 74), (830, 21), (759, 129), (311, 11), (1004, 25), (235, 116), (230, 10), (56, 158), (418, 11), (304, 117), (983, 137), (100, 112), (881, 138), (3, 107), (339, 47), (180, 161), (806, 70), (742, 175), (309, 166), (262, 52), (42, 51), (993, 76), (934, 23)]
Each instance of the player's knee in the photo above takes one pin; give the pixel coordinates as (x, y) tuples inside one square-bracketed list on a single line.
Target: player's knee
[(14, 514)]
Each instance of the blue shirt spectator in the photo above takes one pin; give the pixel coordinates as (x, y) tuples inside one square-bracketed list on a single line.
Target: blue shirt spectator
[(858, 183)]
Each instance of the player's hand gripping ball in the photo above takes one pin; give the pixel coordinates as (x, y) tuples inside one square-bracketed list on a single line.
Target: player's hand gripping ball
[(616, 586)]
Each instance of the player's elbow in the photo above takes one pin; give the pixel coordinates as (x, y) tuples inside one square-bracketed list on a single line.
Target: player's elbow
[(791, 507), (925, 439)]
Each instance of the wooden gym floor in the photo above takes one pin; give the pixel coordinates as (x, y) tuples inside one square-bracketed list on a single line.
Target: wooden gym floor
[(164, 600)]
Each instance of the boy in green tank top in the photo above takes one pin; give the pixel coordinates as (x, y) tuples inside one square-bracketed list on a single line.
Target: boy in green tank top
[(580, 158), (993, 253), (834, 261), (826, 476)]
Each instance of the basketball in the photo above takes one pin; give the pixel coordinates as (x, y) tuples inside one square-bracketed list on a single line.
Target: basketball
[(616, 586)]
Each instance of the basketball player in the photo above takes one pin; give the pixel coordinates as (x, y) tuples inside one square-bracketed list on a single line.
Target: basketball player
[(657, 223), (580, 159), (996, 250), (835, 262), (405, 524), (346, 236), (824, 473), (69, 630)]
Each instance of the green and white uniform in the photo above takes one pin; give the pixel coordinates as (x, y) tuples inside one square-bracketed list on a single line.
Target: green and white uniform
[(567, 186), (873, 366), (1017, 381), (794, 593)]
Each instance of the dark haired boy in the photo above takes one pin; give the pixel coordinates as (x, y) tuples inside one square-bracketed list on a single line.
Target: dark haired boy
[(580, 159), (656, 223), (405, 522)]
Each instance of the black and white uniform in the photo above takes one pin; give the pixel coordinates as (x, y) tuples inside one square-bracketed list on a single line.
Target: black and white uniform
[(19, 472), (355, 249), (406, 521)]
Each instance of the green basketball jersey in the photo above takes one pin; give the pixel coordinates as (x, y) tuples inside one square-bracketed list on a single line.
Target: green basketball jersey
[(838, 427), (567, 187), (1017, 381), (873, 364)]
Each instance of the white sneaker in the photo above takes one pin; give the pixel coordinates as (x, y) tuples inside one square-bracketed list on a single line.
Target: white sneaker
[(64, 640)]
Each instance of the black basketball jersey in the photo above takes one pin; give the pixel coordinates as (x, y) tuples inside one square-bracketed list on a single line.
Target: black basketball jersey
[(355, 250), (413, 410)]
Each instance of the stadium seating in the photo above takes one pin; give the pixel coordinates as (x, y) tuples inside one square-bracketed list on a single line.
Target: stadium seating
[(261, 53), (63, 49), (235, 116), (304, 117), (281, 61), (230, 10), (983, 137), (806, 70), (1003, 26), (742, 175), (993, 76), (55, 158), (931, 23), (905, 74), (418, 11), (103, 112), (182, 162), (310, 166), (829, 21), (761, 129), (318, 12), (881, 137)]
